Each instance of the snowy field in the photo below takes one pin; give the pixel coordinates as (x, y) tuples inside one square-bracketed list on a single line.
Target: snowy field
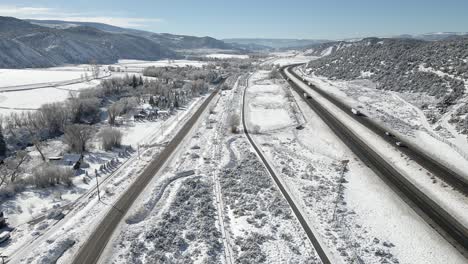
[(227, 56), (287, 58), (162, 63), (15, 77), (357, 216), (32, 99)]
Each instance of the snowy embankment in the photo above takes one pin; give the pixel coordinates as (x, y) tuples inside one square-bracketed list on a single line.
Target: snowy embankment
[(452, 201), (394, 111), (357, 215)]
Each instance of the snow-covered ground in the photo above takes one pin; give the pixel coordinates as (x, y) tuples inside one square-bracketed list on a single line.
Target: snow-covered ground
[(356, 214), (227, 56), (243, 219)]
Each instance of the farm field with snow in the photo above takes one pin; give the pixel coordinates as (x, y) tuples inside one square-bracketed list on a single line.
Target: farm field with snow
[(16, 77), (36, 87)]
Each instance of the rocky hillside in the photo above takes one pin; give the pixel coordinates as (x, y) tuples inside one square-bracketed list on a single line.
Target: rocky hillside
[(436, 68)]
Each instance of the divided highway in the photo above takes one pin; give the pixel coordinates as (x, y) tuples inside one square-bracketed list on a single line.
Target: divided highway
[(443, 172), (92, 249), (437, 217)]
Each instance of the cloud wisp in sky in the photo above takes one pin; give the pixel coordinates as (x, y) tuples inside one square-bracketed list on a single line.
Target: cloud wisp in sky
[(43, 13)]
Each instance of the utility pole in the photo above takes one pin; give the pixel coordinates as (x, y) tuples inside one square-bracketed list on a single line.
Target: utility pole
[(344, 163), (97, 186)]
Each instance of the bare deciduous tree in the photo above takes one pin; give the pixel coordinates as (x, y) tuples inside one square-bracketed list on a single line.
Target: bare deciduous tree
[(113, 111), (77, 136)]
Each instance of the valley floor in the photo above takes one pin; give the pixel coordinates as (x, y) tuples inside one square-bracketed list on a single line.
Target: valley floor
[(214, 201)]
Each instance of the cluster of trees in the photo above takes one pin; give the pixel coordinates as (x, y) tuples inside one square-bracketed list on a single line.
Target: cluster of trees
[(167, 74), (75, 118)]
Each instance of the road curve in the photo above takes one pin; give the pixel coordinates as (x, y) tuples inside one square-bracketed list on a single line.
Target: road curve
[(310, 234), (91, 250), (451, 177), (437, 217)]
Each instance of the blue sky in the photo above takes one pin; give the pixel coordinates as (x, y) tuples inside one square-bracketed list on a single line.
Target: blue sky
[(314, 19)]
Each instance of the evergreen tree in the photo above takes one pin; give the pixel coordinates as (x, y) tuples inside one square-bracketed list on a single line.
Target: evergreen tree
[(3, 148), (141, 80), (151, 101), (134, 81)]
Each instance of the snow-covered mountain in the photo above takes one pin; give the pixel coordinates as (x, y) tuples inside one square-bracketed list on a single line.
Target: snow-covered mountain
[(49, 43), (164, 39)]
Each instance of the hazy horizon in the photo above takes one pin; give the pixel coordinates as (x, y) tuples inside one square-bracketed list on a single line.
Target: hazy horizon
[(261, 19)]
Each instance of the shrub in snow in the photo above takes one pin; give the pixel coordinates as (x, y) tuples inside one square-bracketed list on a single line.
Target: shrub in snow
[(187, 226), (110, 137), (234, 122), (256, 129), (48, 175)]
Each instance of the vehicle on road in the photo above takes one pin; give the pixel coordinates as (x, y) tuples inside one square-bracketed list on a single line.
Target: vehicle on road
[(356, 112), (388, 134), (300, 127), (2, 220), (307, 96), (4, 236), (400, 144)]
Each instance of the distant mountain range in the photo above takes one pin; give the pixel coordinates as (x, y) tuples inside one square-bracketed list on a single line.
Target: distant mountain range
[(268, 44), (275, 43), (434, 36), (37, 43)]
